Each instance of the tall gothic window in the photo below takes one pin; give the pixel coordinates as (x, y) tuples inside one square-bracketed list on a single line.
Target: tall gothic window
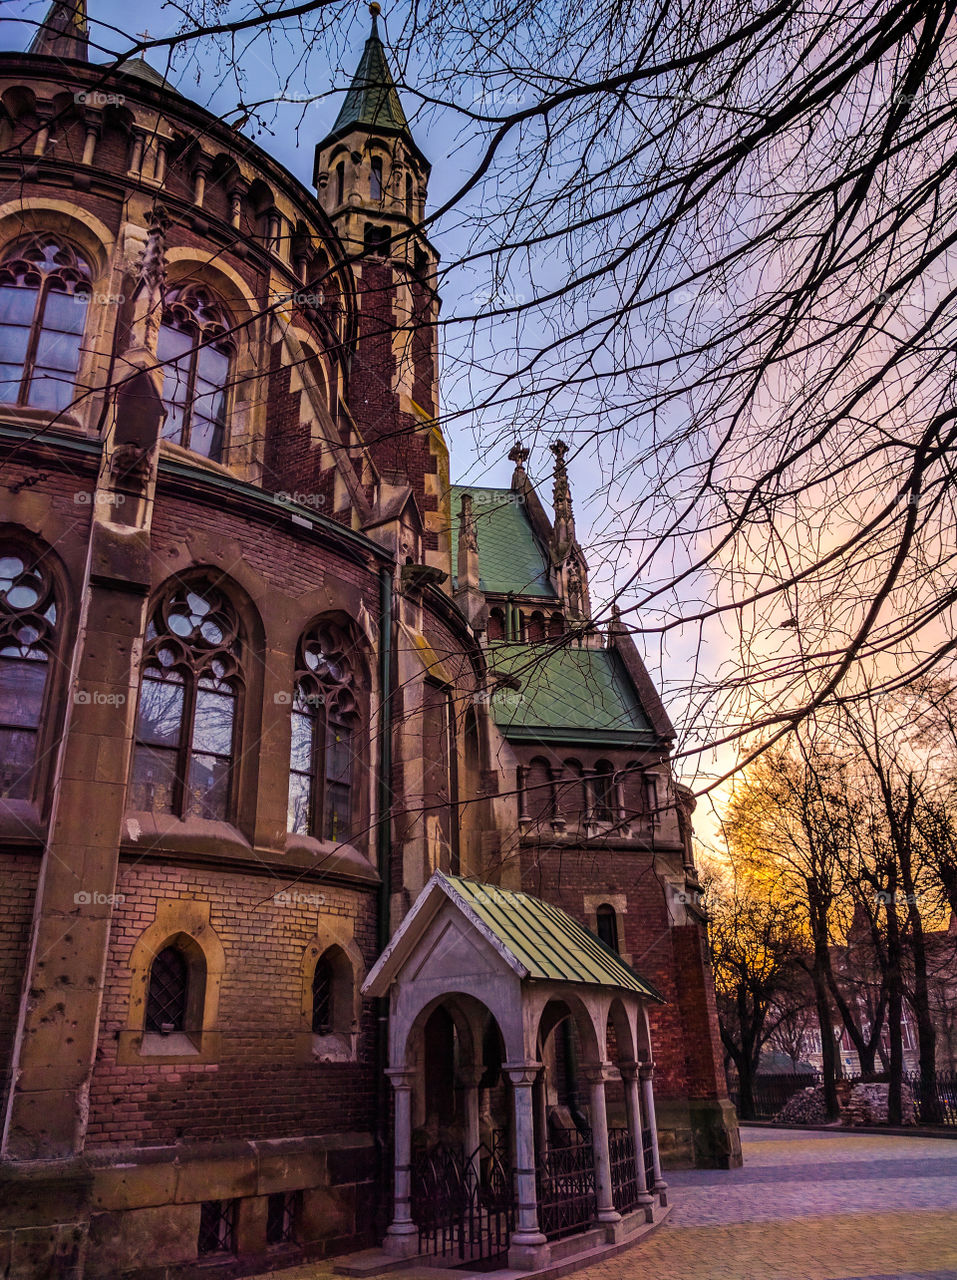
[(375, 178), (196, 357), (168, 993), (44, 297), (27, 634), (186, 726), (325, 717), (606, 922), (605, 808)]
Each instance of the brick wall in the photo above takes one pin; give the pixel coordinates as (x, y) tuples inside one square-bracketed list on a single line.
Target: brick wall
[(258, 1088), (18, 874)]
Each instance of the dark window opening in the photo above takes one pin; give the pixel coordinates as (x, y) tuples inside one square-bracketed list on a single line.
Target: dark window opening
[(409, 196), (375, 178), (322, 998), (606, 805), (282, 1213), (376, 240), (607, 926), (168, 993), (217, 1227), (340, 182)]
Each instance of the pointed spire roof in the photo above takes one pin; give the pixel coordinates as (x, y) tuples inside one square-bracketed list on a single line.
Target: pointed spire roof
[(63, 32), (372, 100)]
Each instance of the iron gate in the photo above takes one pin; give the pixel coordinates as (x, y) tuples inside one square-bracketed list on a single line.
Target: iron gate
[(624, 1171), (566, 1185), (649, 1158), (464, 1206)]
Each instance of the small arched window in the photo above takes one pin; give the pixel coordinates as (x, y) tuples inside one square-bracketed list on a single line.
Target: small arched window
[(572, 797), (535, 629), (605, 806), (186, 726), (375, 178), (606, 925), (496, 624), (323, 997), (27, 641), (539, 791), (556, 626), (196, 356), (340, 182), (325, 721), (44, 298), (167, 999), (409, 196)]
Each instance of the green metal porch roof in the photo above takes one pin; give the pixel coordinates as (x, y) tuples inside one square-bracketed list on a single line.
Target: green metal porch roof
[(511, 559), (567, 693), (545, 940)]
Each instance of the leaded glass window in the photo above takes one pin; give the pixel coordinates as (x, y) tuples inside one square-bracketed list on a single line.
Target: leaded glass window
[(27, 634), (196, 357), (186, 726)]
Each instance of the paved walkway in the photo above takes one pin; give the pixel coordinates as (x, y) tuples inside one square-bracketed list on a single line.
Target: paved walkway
[(806, 1206)]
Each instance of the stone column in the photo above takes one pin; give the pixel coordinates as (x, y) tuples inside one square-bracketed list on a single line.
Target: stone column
[(629, 1074), (528, 1249), (89, 144), (648, 1100), (402, 1239), (595, 1076)]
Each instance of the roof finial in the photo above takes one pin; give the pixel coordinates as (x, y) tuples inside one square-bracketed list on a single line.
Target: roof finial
[(375, 10), (519, 456)]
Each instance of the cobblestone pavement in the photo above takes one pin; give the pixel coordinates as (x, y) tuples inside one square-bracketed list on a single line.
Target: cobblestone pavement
[(806, 1206)]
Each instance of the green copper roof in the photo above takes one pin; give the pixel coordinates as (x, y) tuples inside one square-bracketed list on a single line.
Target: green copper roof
[(568, 694), (511, 558), (372, 99), (545, 940)]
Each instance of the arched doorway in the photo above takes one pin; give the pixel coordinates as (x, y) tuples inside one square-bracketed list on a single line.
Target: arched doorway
[(462, 1194)]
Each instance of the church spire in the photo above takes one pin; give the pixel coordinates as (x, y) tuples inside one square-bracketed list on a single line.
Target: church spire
[(372, 101), (63, 32)]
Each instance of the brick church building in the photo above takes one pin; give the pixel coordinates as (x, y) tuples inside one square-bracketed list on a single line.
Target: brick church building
[(348, 898)]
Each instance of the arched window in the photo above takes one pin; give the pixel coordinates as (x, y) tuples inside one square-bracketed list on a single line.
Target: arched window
[(409, 196), (605, 808), (496, 624), (186, 727), (196, 357), (340, 182), (323, 997), (556, 626), (325, 721), (27, 641), (539, 791), (572, 797), (535, 628), (606, 925), (375, 178), (44, 296), (167, 999)]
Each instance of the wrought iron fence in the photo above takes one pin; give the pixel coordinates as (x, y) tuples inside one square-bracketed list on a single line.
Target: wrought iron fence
[(772, 1092), (464, 1205), (566, 1185), (648, 1156), (935, 1102), (624, 1170)]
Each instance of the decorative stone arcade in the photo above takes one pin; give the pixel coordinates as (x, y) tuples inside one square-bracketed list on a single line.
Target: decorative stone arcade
[(513, 1034)]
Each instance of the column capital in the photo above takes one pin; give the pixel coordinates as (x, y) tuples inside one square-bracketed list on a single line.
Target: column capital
[(401, 1077), (596, 1072), (629, 1070), (471, 1076), (646, 1070), (522, 1073)]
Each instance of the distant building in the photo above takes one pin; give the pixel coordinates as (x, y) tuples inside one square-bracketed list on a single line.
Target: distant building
[(330, 822)]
